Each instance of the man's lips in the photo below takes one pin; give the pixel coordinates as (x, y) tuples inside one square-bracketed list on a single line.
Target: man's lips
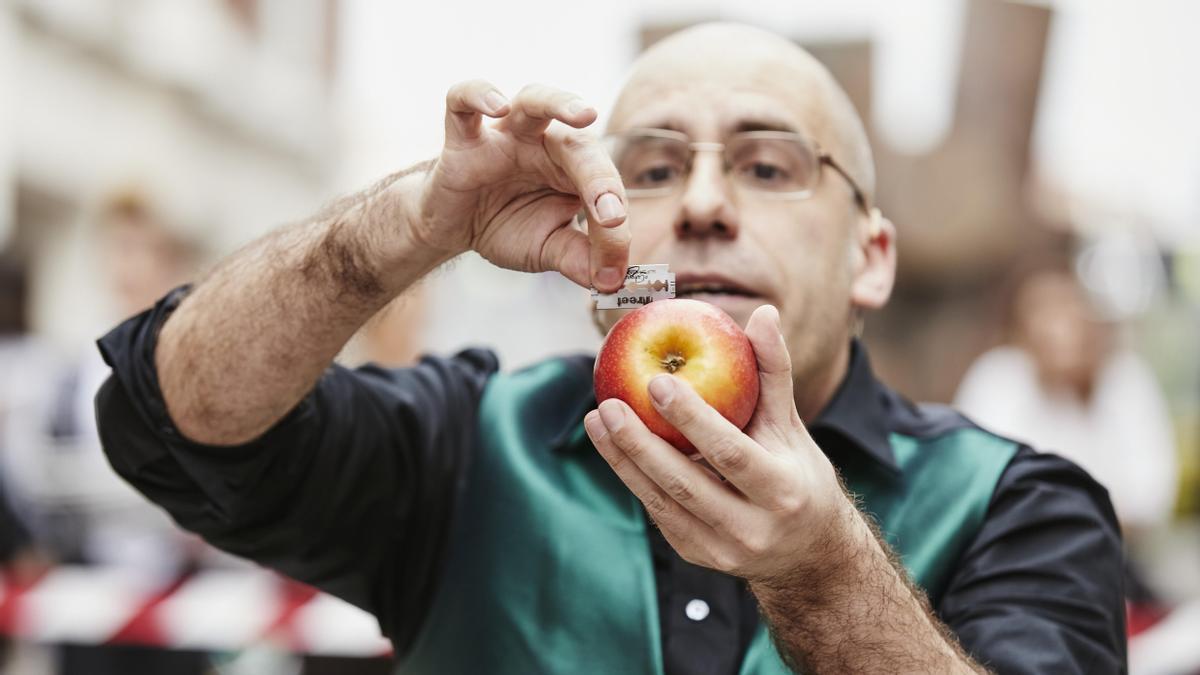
[(689, 284)]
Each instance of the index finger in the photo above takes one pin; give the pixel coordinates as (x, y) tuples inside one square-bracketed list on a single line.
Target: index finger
[(609, 252), (592, 172)]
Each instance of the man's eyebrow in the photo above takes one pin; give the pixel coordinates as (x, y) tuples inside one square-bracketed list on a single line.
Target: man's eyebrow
[(763, 124), (669, 124), (743, 124)]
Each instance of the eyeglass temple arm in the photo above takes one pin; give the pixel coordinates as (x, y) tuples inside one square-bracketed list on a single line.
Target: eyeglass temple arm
[(859, 197)]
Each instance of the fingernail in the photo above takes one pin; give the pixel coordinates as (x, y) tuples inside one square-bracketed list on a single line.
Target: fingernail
[(612, 415), (778, 321), (594, 426), (576, 107), (608, 277), (495, 101), (609, 207), (662, 390)]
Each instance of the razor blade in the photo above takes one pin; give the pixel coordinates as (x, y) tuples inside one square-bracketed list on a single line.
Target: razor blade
[(643, 284)]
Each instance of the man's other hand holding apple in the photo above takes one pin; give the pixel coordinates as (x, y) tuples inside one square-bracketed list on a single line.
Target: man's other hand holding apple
[(780, 501), (774, 512)]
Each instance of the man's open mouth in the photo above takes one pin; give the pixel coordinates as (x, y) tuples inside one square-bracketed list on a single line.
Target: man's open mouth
[(686, 288)]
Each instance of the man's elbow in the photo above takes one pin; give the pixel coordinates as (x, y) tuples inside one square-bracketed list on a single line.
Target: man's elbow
[(128, 440)]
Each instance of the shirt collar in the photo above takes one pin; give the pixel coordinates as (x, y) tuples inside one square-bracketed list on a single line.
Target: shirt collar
[(859, 411), (857, 414)]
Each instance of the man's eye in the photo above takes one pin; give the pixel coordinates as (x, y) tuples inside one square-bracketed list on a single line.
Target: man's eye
[(655, 175), (767, 173)]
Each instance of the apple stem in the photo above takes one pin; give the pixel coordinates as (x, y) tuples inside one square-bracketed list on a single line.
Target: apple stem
[(673, 362)]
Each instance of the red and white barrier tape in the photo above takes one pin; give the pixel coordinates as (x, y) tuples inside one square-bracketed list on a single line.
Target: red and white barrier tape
[(213, 610)]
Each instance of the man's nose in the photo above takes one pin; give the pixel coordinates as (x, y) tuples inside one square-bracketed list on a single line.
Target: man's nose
[(707, 208)]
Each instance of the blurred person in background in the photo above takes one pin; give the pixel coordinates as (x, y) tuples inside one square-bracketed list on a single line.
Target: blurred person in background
[(82, 513), (21, 561), (26, 380), (15, 542), (1067, 384), (487, 520), (139, 258)]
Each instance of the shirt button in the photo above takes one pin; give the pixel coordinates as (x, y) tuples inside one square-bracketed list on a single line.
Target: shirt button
[(696, 610)]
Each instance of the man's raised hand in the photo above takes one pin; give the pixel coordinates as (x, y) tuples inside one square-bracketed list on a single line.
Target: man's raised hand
[(510, 189)]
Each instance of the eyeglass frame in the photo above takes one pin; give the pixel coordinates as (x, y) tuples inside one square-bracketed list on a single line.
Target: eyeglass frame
[(823, 158)]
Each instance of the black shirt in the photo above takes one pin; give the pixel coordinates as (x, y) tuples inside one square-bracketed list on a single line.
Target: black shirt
[(352, 492)]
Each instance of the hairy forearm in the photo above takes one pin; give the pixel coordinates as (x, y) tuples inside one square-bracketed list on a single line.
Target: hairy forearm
[(251, 339), (852, 610)]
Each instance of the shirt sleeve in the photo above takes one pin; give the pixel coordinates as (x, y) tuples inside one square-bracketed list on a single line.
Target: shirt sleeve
[(351, 491), (1039, 590)]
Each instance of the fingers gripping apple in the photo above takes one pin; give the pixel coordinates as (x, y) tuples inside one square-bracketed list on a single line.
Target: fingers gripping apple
[(688, 339)]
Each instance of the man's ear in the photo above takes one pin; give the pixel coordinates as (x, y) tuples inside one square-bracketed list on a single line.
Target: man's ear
[(876, 263)]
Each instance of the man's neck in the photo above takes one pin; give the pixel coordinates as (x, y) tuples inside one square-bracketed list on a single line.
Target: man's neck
[(814, 390)]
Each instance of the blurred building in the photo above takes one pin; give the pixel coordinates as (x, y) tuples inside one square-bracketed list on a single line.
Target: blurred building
[(219, 115), (219, 109)]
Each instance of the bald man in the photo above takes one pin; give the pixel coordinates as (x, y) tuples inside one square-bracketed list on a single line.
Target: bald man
[(505, 523)]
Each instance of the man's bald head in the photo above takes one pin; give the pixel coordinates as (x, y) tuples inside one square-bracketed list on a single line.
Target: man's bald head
[(728, 55)]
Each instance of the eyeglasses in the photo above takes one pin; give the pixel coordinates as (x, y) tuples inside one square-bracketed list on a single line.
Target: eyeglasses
[(775, 164)]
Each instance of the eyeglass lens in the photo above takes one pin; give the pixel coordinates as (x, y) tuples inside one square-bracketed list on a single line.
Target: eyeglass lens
[(776, 164)]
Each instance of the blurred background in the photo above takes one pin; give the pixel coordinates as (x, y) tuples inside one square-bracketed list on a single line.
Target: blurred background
[(1041, 161)]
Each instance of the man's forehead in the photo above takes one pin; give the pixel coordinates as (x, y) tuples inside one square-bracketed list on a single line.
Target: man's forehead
[(718, 79), (702, 111)]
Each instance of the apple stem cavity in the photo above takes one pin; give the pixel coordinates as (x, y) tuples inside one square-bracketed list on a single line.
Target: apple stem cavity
[(673, 362)]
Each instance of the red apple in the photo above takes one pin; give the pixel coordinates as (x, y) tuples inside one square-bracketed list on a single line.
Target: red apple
[(690, 339)]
